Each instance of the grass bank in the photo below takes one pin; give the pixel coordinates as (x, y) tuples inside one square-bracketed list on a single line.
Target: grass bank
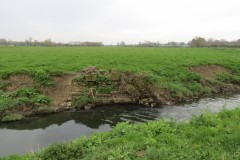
[(36, 80), (208, 136)]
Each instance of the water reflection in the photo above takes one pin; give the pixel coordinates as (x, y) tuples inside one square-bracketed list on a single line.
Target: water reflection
[(34, 134), (91, 118)]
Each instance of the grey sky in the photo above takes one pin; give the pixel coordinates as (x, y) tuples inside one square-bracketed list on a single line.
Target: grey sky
[(111, 21)]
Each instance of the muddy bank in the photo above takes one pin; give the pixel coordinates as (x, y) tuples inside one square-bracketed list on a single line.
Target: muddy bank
[(30, 94)]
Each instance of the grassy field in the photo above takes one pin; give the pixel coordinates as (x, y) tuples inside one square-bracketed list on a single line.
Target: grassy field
[(205, 137), (168, 66), (168, 60)]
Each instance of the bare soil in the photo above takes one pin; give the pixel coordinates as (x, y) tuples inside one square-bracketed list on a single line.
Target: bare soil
[(18, 82), (208, 71), (62, 89)]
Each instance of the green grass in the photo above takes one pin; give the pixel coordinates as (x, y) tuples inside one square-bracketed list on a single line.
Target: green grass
[(166, 66), (160, 60), (26, 97), (208, 136), (6, 102)]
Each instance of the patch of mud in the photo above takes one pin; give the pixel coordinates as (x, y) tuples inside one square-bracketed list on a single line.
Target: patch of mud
[(17, 82), (62, 89), (208, 71)]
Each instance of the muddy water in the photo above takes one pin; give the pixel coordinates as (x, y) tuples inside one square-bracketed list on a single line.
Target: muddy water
[(34, 134)]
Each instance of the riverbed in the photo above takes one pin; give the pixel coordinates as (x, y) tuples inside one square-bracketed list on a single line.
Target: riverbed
[(39, 132)]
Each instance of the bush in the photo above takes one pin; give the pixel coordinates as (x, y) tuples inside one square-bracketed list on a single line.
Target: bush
[(61, 151)]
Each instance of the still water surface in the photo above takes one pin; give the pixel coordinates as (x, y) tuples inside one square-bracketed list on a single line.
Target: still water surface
[(34, 134)]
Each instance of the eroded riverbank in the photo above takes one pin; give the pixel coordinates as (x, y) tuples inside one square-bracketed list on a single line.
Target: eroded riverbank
[(24, 94)]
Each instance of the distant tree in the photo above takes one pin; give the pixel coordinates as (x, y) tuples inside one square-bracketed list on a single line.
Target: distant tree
[(198, 42), (182, 44), (36, 43), (91, 44), (48, 42), (238, 43), (210, 42), (28, 41), (122, 43), (3, 42), (172, 44)]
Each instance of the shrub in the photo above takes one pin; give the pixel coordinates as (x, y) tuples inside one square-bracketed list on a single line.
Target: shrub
[(61, 151)]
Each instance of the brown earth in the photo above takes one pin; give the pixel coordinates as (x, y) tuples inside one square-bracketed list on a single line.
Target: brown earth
[(140, 154), (19, 81), (208, 71), (62, 89)]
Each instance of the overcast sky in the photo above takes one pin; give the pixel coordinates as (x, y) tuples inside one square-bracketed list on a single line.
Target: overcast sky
[(111, 21)]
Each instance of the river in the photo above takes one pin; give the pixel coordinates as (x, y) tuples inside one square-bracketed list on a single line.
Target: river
[(34, 134)]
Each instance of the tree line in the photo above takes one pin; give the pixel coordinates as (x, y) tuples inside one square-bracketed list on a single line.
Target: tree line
[(48, 42), (195, 42), (154, 44), (202, 42)]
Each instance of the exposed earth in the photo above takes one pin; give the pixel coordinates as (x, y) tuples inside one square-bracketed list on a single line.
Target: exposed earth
[(93, 87)]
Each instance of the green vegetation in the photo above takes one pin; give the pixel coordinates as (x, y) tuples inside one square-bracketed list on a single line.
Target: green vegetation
[(43, 77), (166, 71), (167, 66), (29, 96), (6, 102), (161, 60), (228, 78), (83, 99), (25, 97), (12, 117), (163, 73), (207, 136)]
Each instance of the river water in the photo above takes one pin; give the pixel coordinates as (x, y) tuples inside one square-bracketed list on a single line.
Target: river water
[(33, 134)]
